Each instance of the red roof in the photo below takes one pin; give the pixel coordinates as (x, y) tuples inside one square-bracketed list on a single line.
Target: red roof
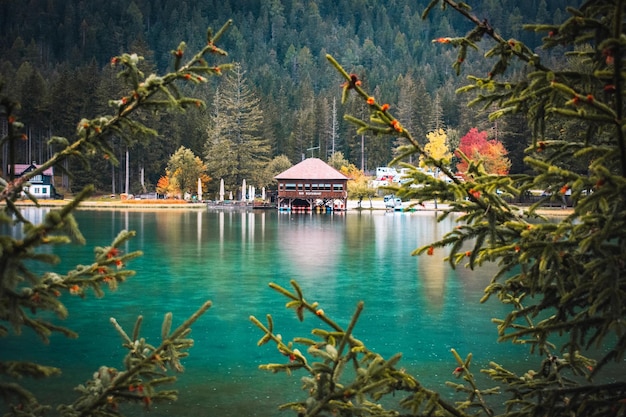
[(21, 168), (311, 169)]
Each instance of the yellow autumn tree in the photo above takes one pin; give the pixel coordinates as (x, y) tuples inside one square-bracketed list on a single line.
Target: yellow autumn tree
[(436, 146)]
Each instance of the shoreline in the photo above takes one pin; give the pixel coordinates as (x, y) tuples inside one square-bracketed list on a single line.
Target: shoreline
[(352, 206)]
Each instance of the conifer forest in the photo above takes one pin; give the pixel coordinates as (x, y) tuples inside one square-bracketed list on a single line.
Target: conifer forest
[(57, 54)]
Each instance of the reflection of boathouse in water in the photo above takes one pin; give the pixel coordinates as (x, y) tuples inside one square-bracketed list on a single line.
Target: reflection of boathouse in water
[(312, 184)]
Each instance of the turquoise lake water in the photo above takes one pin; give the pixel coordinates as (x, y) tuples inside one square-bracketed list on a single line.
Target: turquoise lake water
[(415, 305)]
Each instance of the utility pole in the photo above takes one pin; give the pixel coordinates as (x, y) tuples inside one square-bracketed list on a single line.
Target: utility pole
[(334, 125), (362, 152), (312, 149), (127, 183)]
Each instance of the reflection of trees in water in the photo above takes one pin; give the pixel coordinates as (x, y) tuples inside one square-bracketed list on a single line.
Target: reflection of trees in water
[(474, 281), (432, 270), (431, 276), (176, 227)]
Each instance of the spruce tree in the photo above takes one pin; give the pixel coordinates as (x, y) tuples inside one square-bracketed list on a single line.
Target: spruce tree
[(413, 101), (218, 144), (302, 138), (237, 125), (564, 279), (29, 300)]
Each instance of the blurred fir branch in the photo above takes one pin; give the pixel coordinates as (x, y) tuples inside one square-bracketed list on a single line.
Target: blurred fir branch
[(25, 294), (344, 376), (564, 280), (145, 371)]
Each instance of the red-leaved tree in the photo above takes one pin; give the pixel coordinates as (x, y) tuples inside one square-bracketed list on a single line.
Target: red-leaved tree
[(475, 146)]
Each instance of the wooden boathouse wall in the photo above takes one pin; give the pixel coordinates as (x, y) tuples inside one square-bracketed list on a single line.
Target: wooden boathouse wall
[(310, 184)]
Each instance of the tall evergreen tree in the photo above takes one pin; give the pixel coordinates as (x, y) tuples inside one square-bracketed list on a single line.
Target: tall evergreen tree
[(414, 109), (407, 109), (303, 140), (436, 120), (219, 149), (238, 124)]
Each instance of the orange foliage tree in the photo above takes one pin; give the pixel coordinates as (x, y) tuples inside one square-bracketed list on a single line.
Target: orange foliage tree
[(163, 185), (475, 146)]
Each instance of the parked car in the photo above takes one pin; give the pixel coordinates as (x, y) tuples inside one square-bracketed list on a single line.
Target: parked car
[(392, 201)]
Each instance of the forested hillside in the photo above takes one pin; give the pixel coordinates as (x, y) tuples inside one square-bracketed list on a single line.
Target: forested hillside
[(56, 53)]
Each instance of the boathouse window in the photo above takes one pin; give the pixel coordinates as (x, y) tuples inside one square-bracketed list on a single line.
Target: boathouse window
[(290, 186), (314, 187), (337, 187)]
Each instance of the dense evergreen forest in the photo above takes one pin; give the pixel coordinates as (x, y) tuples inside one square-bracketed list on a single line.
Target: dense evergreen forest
[(56, 54)]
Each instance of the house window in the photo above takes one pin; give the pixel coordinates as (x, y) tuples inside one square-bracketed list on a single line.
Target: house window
[(290, 187), (337, 187), (37, 178)]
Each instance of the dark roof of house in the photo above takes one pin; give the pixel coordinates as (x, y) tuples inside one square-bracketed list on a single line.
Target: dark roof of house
[(311, 169), (21, 168)]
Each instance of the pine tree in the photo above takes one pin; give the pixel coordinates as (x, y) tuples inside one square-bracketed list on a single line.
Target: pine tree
[(408, 108), (436, 121), (564, 280), (302, 138), (237, 126), (29, 299), (218, 144)]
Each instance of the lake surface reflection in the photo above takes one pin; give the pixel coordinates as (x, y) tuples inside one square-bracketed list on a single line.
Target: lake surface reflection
[(415, 305)]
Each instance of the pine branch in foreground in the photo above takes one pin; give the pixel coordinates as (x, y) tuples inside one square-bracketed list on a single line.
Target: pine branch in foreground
[(26, 294), (565, 279)]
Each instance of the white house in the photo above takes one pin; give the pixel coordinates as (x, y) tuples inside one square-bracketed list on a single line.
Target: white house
[(42, 185)]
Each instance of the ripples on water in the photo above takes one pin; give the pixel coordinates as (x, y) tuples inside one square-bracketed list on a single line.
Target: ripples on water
[(415, 305)]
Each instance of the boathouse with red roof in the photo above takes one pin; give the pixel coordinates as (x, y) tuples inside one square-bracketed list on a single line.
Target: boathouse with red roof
[(312, 184)]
